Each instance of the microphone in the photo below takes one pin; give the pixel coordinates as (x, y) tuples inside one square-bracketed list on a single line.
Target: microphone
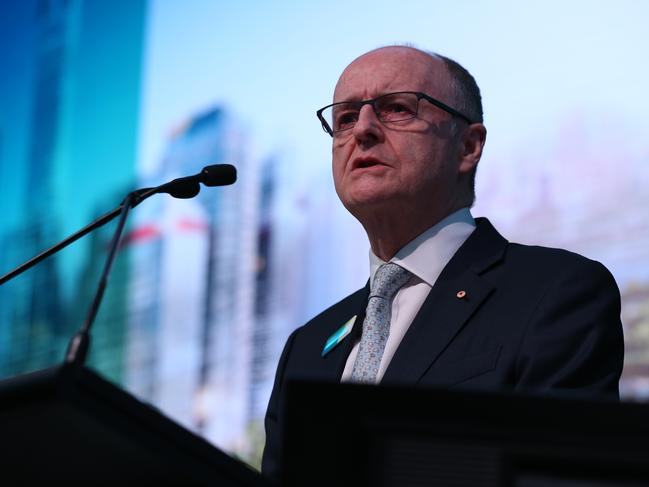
[(189, 186), (183, 188), (218, 175)]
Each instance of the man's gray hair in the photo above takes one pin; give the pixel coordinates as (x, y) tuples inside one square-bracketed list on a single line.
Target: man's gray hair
[(466, 99), (467, 93)]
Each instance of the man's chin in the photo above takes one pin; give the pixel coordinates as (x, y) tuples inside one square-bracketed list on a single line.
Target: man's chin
[(364, 202)]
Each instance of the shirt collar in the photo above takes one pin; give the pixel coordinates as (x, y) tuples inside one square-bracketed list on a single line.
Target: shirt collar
[(428, 253)]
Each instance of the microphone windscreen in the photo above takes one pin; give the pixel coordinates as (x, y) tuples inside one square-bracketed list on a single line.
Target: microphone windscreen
[(186, 190), (218, 175)]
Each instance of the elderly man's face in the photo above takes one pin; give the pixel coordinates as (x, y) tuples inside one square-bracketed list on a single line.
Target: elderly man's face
[(397, 165)]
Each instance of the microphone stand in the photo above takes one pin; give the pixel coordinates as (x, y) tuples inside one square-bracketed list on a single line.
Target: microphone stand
[(80, 342), (185, 187), (78, 347)]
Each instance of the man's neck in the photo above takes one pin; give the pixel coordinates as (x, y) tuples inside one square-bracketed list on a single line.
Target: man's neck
[(427, 254), (388, 235)]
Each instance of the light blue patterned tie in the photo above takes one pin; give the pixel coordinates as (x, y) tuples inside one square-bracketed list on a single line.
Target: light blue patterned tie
[(389, 278)]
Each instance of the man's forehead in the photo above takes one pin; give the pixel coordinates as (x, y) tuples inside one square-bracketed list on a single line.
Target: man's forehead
[(394, 68)]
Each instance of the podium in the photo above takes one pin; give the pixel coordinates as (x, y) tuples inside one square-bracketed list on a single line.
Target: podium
[(69, 426), (352, 435)]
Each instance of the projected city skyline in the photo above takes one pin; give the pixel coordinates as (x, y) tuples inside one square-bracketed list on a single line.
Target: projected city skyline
[(102, 99)]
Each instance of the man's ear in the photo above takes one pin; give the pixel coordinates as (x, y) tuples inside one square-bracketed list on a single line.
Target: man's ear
[(471, 144)]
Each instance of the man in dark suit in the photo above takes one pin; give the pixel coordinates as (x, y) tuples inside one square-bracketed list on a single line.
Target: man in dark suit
[(465, 308)]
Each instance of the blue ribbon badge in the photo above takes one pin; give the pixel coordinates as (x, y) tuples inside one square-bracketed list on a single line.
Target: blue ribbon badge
[(338, 336)]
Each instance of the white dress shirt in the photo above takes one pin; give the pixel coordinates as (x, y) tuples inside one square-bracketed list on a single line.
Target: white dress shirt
[(425, 257)]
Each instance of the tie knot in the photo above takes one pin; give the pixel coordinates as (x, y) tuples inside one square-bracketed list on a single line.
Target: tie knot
[(389, 278)]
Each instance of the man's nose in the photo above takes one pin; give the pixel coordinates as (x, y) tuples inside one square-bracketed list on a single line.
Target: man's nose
[(368, 126)]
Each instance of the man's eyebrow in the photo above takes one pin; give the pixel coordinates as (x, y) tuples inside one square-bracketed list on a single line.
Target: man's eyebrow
[(358, 99), (347, 99)]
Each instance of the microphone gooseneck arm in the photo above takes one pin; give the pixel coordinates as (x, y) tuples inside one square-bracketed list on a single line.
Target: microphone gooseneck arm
[(102, 220)]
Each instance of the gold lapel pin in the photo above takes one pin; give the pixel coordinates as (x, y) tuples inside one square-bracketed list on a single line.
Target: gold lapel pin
[(460, 294)]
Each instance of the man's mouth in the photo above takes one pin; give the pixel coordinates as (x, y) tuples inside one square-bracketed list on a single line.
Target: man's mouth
[(365, 162)]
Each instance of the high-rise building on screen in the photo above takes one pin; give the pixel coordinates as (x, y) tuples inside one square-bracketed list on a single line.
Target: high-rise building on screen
[(193, 285)]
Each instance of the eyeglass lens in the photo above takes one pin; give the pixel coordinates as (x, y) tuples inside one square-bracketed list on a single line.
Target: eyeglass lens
[(393, 107)]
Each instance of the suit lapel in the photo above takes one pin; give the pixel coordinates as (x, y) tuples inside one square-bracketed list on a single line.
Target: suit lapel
[(439, 320), (444, 311)]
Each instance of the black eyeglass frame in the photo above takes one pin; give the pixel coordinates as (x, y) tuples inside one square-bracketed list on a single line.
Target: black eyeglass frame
[(371, 101)]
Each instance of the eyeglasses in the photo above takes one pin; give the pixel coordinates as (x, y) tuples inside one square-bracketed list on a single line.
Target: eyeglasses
[(391, 107)]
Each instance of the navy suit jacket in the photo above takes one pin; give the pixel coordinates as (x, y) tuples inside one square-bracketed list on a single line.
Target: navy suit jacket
[(531, 319)]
